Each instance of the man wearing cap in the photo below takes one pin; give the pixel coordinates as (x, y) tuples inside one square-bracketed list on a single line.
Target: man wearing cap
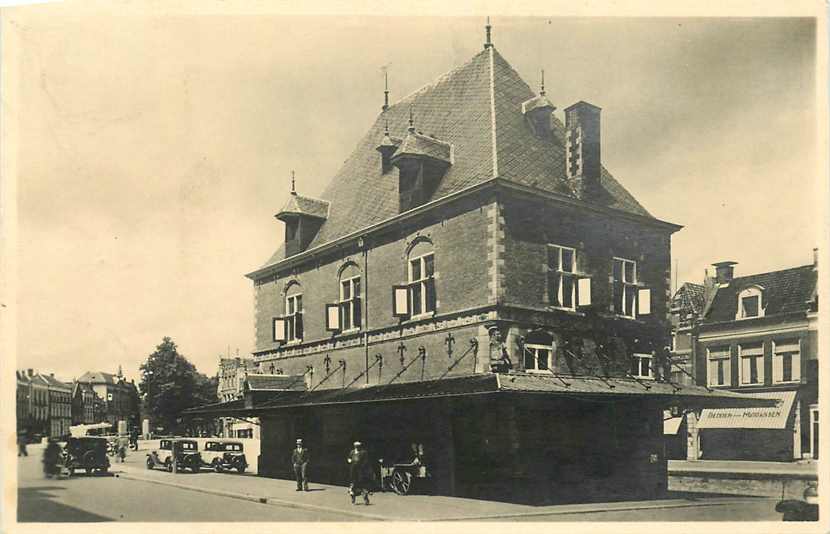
[(358, 461), (299, 458)]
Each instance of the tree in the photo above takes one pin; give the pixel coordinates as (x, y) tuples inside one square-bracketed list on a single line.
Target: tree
[(171, 384)]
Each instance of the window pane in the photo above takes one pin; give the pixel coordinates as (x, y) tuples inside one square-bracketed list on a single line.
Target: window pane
[(430, 289), (416, 299), (567, 291), (635, 366), (721, 363), (429, 265), (753, 370), (542, 358), (356, 287), (617, 271), (298, 327), (629, 300), (356, 312), (345, 290), (554, 279), (646, 366), (788, 367), (299, 305), (530, 359), (746, 371), (290, 306), (415, 274), (289, 327), (750, 305), (553, 258), (567, 260), (629, 271)]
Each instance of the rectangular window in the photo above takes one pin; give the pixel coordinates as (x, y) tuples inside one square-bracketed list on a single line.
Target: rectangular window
[(538, 358), (624, 283), (751, 369), (562, 278), (641, 366), (786, 361), (294, 318), (749, 306), (422, 284), (350, 311), (719, 369)]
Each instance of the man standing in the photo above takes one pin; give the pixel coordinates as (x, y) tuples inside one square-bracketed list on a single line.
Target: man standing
[(299, 458), (359, 476)]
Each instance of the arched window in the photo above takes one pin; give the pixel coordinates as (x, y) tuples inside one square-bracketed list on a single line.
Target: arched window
[(350, 301), (421, 270), (294, 312), (538, 352), (751, 302)]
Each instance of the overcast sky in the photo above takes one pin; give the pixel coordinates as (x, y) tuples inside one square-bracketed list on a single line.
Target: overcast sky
[(155, 151)]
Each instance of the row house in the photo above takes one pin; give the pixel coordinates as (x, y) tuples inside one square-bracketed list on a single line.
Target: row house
[(43, 405), (119, 398), (758, 335), (87, 406), (60, 406), (476, 281)]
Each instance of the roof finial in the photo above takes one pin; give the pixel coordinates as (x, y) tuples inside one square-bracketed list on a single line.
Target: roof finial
[(411, 120), (385, 89), (488, 43), (542, 92), (293, 190), (386, 127)]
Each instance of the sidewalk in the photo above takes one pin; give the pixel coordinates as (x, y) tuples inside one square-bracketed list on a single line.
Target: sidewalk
[(798, 470), (385, 506)]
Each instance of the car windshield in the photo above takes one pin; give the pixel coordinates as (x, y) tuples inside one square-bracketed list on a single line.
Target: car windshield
[(233, 447), (188, 446), (212, 446)]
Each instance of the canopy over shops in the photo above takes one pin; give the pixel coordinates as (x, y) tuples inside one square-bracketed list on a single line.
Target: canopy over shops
[(562, 386), (772, 417)]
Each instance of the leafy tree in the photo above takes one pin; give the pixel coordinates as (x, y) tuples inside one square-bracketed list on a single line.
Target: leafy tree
[(170, 384)]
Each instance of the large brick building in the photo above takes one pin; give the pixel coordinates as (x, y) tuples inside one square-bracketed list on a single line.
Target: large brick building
[(474, 280), (118, 397)]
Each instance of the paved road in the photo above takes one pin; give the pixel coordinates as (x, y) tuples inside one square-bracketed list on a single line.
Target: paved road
[(107, 498)]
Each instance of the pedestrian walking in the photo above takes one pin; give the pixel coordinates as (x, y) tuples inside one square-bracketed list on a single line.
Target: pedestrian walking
[(134, 439), (299, 459), (359, 474), (51, 456), (21, 444)]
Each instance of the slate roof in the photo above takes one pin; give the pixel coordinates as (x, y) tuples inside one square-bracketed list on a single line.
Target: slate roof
[(789, 290), (689, 299), (259, 382), (300, 205), (51, 381), (489, 383), (461, 108)]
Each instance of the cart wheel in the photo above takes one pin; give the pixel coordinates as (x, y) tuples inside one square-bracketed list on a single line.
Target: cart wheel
[(149, 463), (401, 482)]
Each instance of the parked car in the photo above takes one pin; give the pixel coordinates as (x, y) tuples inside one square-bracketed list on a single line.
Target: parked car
[(185, 451), (795, 510), (88, 453), (224, 455)]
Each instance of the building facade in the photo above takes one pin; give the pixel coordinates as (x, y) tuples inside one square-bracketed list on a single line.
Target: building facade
[(758, 335), (118, 397), (232, 375), (84, 404), (474, 281), (60, 406)]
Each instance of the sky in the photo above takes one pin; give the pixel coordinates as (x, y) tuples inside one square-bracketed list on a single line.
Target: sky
[(154, 150)]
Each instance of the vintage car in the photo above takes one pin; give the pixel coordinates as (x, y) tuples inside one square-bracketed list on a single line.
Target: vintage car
[(185, 452), (88, 453), (224, 455), (795, 510)]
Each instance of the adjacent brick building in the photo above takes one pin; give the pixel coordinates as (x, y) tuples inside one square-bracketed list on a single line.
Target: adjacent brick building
[(118, 397), (473, 280)]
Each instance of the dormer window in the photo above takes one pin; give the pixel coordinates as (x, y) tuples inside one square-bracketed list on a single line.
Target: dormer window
[(750, 303)]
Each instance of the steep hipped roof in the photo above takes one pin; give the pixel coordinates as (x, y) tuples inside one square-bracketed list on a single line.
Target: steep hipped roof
[(477, 108), (790, 290), (689, 299)]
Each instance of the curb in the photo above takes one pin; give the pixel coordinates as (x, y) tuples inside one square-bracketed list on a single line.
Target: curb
[(260, 500)]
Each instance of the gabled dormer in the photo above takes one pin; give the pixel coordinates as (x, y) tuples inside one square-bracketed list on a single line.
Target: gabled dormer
[(303, 217), (422, 161)]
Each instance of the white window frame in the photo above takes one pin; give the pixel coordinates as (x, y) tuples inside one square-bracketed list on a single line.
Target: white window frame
[(534, 347), (712, 357), (814, 420), (572, 274), (759, 365), (795, 367), (640, 357), (423, 282), (627, 285), (291, 317), (749, 292), (352, 302)]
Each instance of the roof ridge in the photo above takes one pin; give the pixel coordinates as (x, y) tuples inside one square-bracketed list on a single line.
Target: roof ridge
[(809, 265)]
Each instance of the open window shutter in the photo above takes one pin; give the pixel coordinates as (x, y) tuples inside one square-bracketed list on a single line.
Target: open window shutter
[(644, 302), (279, 329), (583, 292), (400, 301), (332, 317)]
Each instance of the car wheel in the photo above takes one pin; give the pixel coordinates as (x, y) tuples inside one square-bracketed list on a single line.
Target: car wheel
[(168, 465), (149, 463), (241, 468)]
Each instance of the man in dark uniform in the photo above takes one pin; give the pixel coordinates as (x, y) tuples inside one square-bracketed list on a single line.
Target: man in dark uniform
[(359, 476), (299, 459)]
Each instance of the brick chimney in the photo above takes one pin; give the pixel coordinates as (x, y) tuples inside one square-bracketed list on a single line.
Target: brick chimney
[(724, 271), (583, 163), (30, 372)]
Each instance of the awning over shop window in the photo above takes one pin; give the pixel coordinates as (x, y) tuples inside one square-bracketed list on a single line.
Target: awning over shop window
[(671, 425), (582, 387), (769, 417)]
